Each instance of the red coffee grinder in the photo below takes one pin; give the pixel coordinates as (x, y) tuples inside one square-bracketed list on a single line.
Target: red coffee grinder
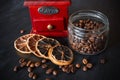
[(49, 17)]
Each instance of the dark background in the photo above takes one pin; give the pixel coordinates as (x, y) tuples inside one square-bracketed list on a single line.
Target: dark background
[(14, 17)]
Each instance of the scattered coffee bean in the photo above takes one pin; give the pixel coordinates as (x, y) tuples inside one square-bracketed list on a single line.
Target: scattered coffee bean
[(44, 60), (34, 76), (29, 69), (84, 61), (32, 65), (77, 65), (72, 69), (102, 61), (22, 31), (84, 68), (15, 68), (55, 72), (71, 65), (23, 64), (66, 66), (68, 70), (60, 67), (47, 79), (89, 65), (37, 64), (49, 71), (63, 69), (21, 60), (28, 63), (30, 74), (44, 66)]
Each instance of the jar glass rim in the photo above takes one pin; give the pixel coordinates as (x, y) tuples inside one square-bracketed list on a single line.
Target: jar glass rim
[(96, 14)]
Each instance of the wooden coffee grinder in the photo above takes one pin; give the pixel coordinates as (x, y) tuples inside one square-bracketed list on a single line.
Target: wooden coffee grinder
[(49, 17)]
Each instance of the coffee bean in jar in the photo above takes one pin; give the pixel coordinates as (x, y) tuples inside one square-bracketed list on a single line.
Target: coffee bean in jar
[(88, 32)]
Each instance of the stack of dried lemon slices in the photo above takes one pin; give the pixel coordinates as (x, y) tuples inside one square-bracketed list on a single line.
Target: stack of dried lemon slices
[(44, 47)]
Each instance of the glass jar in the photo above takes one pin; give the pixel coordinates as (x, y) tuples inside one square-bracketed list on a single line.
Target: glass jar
[(88, 32)]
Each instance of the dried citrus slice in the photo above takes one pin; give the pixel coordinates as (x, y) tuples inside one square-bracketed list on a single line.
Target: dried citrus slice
[(32, 43), (44, 45), (60, 55), (20, 44)]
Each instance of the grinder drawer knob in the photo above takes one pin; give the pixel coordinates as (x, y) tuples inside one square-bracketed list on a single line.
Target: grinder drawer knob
[(50, 27)]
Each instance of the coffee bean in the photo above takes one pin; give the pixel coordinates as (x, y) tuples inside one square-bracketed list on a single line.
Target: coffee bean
[(22, 31), (47, 79), (88, 20), (49, 71), (71, 65), (77, 65), (84, 68), (89, 52), (21, 60), (68, 70), (66, 66), (32, 65), (92, 39), (64, 69), (72, 69), (29, 69), (37, 64), (28, 63), (60, 67), (84, 61), (81, 21), (102, 61), (83, 41), (30, 74), (23, 64), (15, 68), (44, 66), (89, 65), (76, 24), (44, 61), (34, 76), (55, 72)]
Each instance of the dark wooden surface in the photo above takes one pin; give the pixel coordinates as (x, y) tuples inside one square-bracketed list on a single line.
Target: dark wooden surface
[(14, 17)]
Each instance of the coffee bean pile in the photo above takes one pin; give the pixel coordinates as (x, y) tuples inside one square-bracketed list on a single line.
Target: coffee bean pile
[(68, 69), (30, 65), (88, 24), (85, 65), (90, 41), (72, 68)]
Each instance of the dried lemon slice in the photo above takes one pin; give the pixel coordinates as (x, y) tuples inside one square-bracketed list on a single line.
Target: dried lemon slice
[(20, 44), (43, 45), (32, 43), (60, 55)]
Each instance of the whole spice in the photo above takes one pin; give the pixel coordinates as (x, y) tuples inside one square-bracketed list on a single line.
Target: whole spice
[(15, 68), (77, 65), (55, 72), (84, 61), (84, 68), (89, 65)]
